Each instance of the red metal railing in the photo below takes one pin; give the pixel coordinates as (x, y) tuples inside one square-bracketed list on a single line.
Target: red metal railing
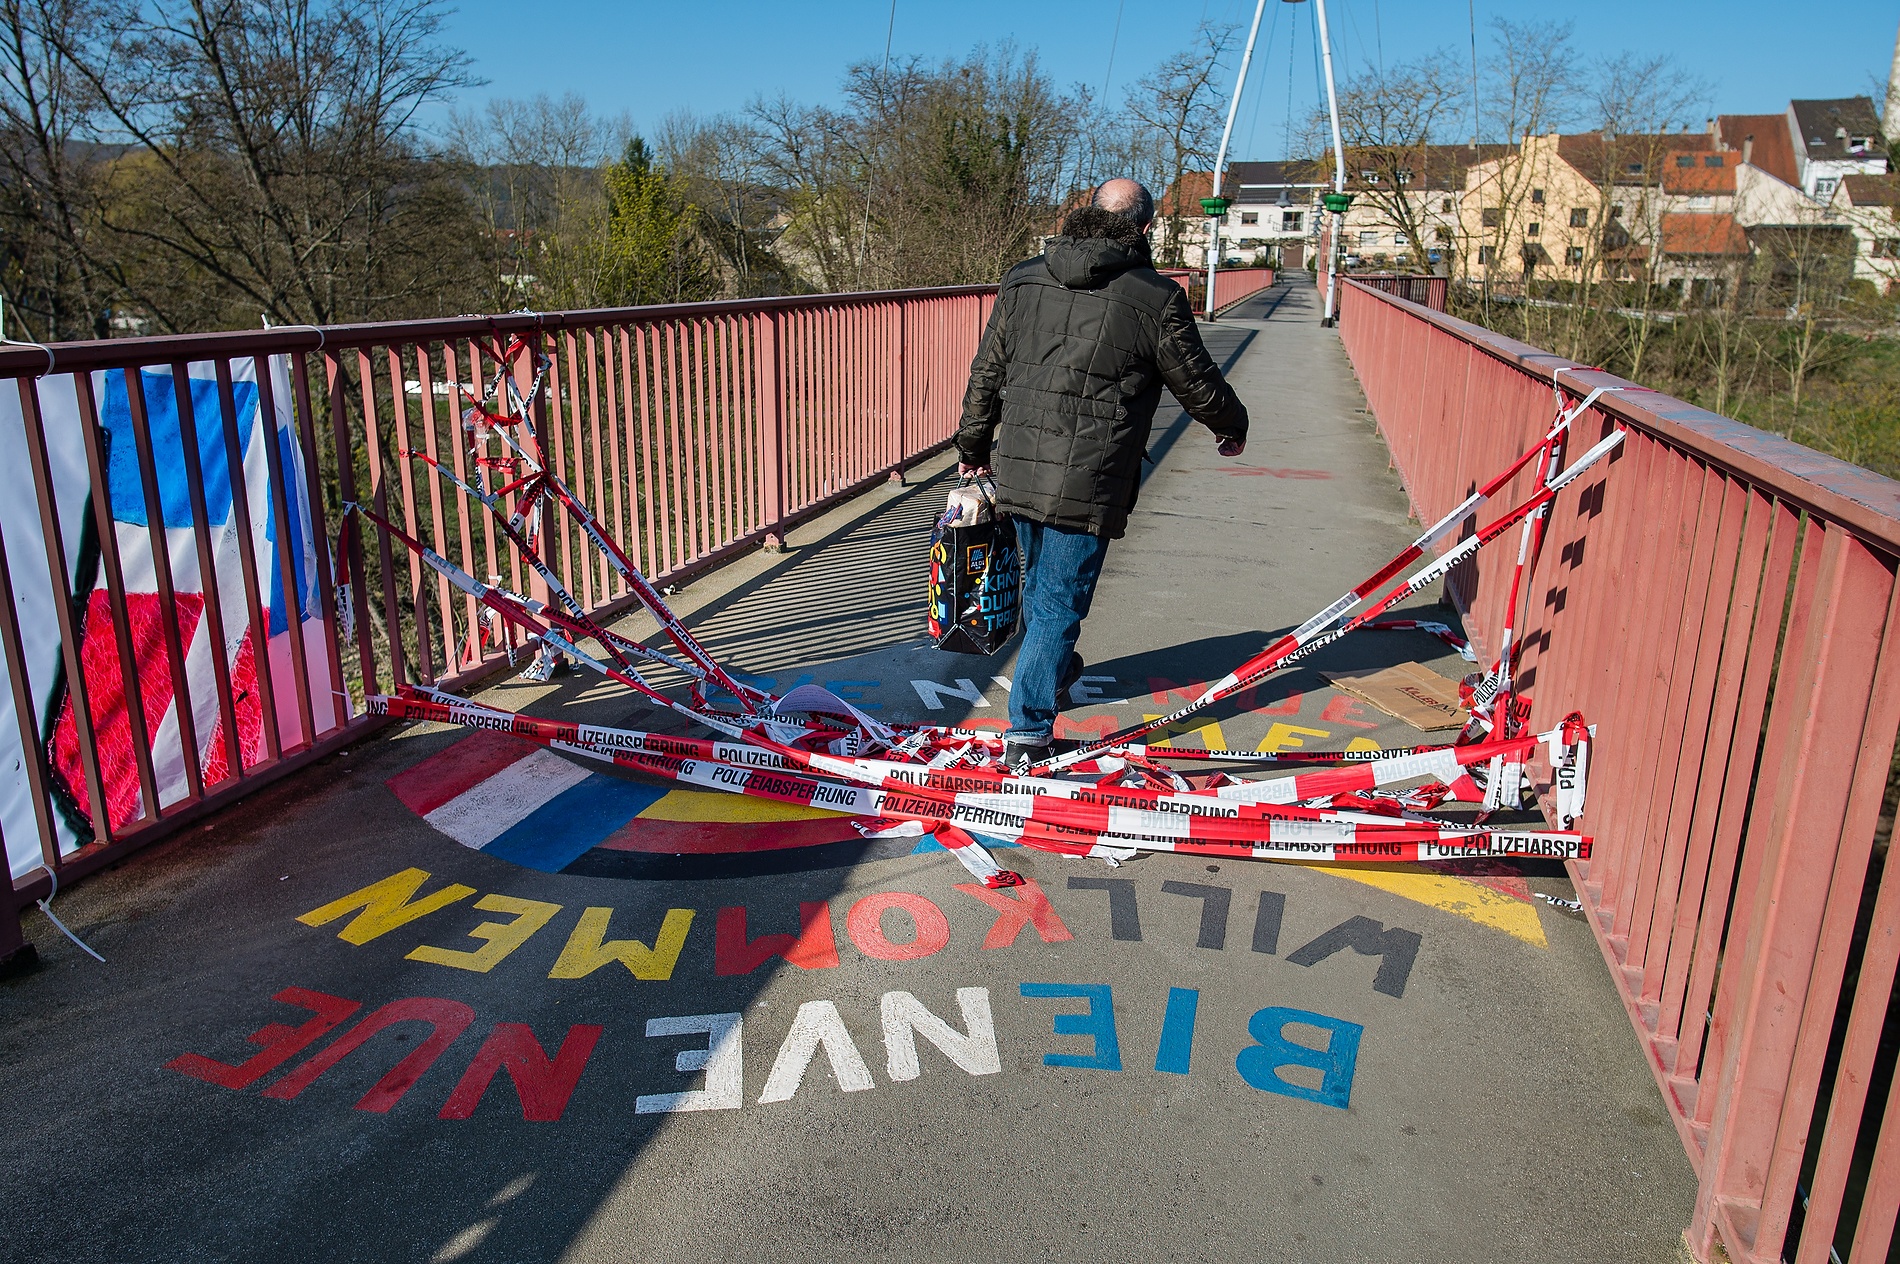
[(1231, 285), (1722, 604), (1425, 290), (692, 431)]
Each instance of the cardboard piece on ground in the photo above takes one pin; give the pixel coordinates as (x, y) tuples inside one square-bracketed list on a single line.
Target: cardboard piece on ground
[(1418, 695)]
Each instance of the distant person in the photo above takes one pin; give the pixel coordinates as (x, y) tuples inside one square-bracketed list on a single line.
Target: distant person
[(1062, 394)]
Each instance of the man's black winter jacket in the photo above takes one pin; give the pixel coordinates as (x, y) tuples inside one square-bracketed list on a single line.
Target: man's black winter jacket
[(1067, 377)]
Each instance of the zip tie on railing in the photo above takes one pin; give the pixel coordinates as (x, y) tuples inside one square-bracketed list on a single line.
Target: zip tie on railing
[(14, 342), (315, 329), (46, 907)]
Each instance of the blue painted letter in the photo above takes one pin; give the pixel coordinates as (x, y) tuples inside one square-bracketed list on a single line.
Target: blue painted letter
[(1098, 1022), (1259, 1064), (1177, 1031)]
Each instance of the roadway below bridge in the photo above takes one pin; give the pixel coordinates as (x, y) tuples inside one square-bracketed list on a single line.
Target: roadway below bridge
[(446, 997)]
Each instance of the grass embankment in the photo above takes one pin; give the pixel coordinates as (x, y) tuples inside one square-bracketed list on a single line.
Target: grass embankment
[(1836, 390)]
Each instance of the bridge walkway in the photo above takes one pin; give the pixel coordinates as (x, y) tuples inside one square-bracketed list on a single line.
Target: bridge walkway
[(1455, 1078)]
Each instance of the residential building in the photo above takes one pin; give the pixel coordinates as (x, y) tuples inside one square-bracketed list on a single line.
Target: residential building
[(1767, 173), (1833, 139), (1179, 210), (1275, 213), (1700, 255), (1867, 205), (1407, 205), (1581, 207), (1272, 214)]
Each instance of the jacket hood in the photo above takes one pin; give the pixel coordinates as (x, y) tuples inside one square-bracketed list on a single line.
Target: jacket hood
[(1087, 263)]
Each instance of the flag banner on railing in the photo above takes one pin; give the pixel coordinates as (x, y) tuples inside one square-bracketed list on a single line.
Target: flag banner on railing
[(287, 598)]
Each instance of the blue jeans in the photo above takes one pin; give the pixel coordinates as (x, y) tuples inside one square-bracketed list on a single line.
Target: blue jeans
[(1060, 568)]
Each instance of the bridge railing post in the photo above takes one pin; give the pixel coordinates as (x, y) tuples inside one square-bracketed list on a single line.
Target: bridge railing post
[(900, 392), (773, 454)]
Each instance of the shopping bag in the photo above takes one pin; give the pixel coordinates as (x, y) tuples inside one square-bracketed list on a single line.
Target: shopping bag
[(975, 572)]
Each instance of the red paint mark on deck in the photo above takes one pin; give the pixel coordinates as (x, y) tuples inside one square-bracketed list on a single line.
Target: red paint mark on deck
[(464, 765)]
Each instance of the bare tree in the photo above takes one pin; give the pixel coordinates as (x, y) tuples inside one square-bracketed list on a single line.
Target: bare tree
[(1805, 274), (932, 174), (54, 285), (1636, 105), (1389, 120), (536, 170), (807, 152), (1531, 77), (1177, 121), (273, 162)]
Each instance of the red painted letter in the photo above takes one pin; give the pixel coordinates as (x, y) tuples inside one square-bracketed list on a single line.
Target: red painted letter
[(448, 1018), (542, 1086), (1017, 907), (812, 948), (280, 1043), (865, 922), (1341, 710)]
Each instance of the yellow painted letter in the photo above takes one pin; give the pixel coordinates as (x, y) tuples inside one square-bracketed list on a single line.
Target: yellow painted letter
[(1287, 736), (503, 937), (385, 905), (588, 948)]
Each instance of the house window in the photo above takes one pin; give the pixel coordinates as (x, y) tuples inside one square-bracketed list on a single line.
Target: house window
[(1700, 203), (1405, 176), (1401, 240), (1250, 217), (1442, 234), (1492, 216), (1685, 160), (1824, 188), (1580, 217), (1860, 144), (1444, 207), (1573, 256), (1887, 248), (1291, 221), (1484, 254), (1635, 169), (1370, 177), (1532, 230), (1616, 210), (1537, 197), (1712, 160), (1367, 239)]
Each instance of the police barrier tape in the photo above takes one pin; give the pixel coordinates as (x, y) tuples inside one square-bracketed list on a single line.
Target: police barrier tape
[(1105, 821), (1291, 648), (951, 780), (1279, 798)]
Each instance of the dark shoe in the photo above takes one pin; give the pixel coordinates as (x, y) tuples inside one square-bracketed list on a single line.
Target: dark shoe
[(1018, 756), (1072, 674)]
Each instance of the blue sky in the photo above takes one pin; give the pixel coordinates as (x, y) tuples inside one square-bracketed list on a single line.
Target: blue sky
[(649, 59)]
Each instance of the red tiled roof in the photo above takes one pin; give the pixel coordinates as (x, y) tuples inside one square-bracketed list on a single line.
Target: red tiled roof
[(1699, 177), (1596, 158), (1193, 186), (1702, 234), (1771, 150)]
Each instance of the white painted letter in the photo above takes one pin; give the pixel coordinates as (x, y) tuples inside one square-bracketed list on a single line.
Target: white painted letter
[(723, 1061), (905, 1016), (818, 1023), (1085, 691), (933, 693)]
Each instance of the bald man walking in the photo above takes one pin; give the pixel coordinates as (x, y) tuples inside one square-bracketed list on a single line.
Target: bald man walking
[(1061, 397)]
